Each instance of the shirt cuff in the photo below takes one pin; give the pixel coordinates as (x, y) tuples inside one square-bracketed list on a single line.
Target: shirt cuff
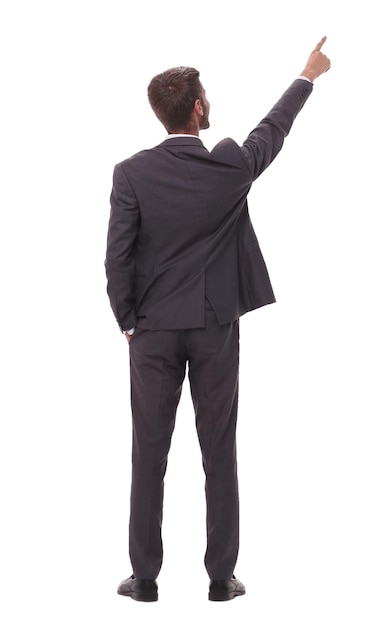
[(305, 78), (129, 332)]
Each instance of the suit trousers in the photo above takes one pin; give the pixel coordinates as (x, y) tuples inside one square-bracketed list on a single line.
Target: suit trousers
[(158, 362)]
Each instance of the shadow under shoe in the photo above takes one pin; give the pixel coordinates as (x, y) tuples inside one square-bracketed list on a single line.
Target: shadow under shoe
[(222, 590), (140, 589)]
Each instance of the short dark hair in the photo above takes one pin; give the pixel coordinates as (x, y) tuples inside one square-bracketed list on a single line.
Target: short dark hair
[(172, 95)]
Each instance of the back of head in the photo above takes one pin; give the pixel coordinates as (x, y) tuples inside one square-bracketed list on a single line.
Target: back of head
[(172, 95)]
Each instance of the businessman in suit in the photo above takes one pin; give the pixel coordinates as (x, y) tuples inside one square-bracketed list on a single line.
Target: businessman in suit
[(183, 265)]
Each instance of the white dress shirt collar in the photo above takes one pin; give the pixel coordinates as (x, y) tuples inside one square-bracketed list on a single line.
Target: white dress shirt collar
[(174, 135)]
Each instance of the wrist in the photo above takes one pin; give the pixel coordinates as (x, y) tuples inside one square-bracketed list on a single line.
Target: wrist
[(309, 74)]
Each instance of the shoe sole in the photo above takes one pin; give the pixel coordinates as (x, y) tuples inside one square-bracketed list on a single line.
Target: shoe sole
[(222, 597), (141, 597)]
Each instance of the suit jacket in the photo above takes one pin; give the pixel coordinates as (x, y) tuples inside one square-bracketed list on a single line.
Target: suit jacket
[(179, 228)]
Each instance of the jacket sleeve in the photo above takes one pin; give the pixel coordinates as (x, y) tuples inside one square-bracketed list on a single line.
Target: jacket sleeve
[(266, 140), (121, 238)]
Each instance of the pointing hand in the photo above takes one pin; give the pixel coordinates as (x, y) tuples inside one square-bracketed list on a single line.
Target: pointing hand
[(317, 62)]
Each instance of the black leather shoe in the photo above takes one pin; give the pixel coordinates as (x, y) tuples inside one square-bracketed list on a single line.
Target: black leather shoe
[(221, 590), (141, 589)]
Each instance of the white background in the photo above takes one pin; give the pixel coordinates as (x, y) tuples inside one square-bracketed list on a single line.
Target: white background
[(313, 430)]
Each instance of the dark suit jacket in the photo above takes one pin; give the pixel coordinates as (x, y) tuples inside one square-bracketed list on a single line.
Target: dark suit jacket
[(179, 228)]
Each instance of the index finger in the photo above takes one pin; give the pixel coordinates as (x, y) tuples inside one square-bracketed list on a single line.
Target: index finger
[(320, 44)]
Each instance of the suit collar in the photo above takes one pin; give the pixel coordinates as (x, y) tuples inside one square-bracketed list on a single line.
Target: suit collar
[(189, 140)]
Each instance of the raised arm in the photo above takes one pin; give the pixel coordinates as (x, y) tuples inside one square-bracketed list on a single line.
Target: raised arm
[(266, 140)]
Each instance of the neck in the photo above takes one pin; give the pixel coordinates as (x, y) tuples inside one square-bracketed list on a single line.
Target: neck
[(186, 131), (192, 128)]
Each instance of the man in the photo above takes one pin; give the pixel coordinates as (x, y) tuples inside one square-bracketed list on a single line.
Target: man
[(183, 264)]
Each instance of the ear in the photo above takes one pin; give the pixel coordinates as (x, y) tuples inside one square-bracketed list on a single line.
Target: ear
[(198, 108)]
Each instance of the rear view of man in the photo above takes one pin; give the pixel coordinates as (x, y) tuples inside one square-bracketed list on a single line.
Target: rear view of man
[(183, 264)]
